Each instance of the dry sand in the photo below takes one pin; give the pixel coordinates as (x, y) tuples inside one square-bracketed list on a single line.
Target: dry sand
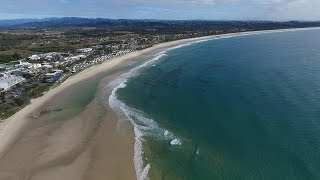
[(38, 143)]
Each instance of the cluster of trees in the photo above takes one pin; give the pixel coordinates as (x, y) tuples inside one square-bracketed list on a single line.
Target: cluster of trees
[(6, 58), (12, 41), (9, 106), (46, 49)]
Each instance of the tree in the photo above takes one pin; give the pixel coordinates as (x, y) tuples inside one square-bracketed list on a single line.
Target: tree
[(22, 100), (3, 96), (16, 56)]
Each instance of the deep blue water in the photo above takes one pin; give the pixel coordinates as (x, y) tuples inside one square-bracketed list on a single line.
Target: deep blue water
[(245, 107)]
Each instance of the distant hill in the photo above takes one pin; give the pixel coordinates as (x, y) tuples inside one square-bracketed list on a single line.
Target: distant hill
[(68, 22), (43, 22), (55, 22), (128, 24), (15, 22)]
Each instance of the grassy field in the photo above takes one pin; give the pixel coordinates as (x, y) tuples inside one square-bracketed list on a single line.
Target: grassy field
[(24, 53), (31, 32)]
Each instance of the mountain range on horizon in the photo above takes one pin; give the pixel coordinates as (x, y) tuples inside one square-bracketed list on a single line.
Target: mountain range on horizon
[(93, 22)]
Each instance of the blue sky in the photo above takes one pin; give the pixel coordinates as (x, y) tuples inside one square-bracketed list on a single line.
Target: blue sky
[(164, 9)]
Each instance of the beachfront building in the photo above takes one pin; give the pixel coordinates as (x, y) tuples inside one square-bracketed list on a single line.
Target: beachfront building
[(115, 47), (54, 76), (86, 51), (49, 56), (74, 58)]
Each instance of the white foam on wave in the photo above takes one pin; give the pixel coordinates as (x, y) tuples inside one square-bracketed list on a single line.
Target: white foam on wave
[(176, 142), (166, 133), (142, 125), (198, 152)]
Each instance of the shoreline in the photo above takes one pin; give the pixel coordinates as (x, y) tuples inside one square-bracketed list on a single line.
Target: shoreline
[(141, 168), (11, 128)]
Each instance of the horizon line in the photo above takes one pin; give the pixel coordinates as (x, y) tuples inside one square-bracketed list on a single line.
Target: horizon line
[(83, 17)]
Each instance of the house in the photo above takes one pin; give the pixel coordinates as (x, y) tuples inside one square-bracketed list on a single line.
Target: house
[(49, 56), (54, 76), (115, 47), (46, 66), (75, 58), (86, 51), (34, 57), (36, 66), (19, 72)]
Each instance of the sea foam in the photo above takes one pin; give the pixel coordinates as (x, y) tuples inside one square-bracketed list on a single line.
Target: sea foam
[(176, 142), (142, 125)]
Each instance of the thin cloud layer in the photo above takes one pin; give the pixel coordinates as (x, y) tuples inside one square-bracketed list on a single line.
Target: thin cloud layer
[(166, 9)]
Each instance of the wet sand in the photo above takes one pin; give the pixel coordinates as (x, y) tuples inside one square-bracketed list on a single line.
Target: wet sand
[(62, 144)]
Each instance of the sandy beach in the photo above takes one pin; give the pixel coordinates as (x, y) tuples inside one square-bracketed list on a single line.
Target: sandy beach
[(55, 138), (42, 142)]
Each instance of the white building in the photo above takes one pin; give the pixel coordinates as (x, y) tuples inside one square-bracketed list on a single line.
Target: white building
[(24, 65), (49, 56), (36, 66), (46, 66), (54, 76), (34, 57), (84, 50), (75, 58)]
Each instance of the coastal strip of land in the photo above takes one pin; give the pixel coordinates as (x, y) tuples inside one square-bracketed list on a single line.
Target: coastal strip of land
[(46, 141)]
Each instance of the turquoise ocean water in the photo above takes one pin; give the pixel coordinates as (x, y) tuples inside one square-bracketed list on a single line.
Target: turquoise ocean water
[(245, 107)]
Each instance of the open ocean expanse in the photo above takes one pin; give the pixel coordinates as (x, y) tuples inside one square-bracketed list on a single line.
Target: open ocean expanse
[(245, 107)]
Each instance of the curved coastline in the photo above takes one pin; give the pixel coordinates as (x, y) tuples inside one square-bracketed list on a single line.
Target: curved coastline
[(125, 112), (11, 129)]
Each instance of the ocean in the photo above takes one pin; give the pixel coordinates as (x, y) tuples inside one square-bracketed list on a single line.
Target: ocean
[(243, 107)]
